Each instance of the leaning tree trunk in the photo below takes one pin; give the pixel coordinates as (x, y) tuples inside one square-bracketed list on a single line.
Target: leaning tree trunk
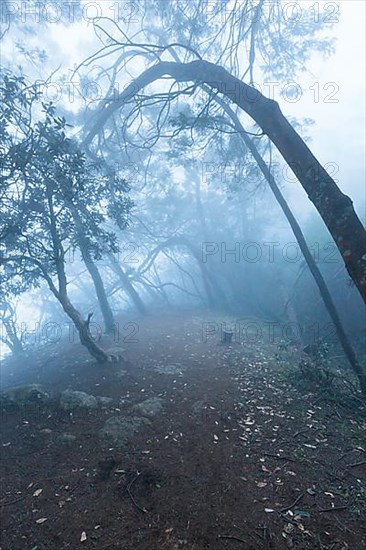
[(12, 340), (105, 308), (60, 293), (128, 287), (214, 293), (82, 326), (335, 208), (358, 369)]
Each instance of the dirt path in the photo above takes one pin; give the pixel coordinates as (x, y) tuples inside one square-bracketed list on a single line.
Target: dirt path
[(234, 457)]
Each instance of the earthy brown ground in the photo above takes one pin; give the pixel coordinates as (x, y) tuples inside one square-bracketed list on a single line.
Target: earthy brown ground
[(238, 459)]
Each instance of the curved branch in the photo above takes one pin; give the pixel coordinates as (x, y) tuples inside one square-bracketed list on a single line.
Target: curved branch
[(335, 208)]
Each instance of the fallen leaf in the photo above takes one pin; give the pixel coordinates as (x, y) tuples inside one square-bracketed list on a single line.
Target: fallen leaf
[(301, 514), (41, 520)]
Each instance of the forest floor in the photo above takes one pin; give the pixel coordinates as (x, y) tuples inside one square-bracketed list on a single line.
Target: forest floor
[(230, 453)]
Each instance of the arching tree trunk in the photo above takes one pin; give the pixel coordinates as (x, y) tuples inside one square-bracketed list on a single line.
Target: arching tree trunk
[(335, 208), (358, 369)]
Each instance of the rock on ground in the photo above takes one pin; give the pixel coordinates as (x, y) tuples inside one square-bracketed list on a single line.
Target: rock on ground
[(66, 438), (72, 400), (104, 402), (120, 429), (29, 394), (150, 407), (170, 369)]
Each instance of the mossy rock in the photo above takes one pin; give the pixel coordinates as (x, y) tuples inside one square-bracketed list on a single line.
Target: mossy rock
[(72, 400), (150, 407), (120, 429), (25, 395)]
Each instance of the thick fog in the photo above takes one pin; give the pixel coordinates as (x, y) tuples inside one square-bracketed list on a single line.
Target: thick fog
[(183, 186), (204, 228)]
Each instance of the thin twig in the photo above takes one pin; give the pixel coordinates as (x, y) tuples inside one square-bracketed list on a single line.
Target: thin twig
[(288, 519), (356, 464), (293, 504), (232, 537), (300, 432), (128, 487), (280, 457), (13, 501), (335, 509)]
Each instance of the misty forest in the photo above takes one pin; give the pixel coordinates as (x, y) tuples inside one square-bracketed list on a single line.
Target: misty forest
[(183, 275)]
